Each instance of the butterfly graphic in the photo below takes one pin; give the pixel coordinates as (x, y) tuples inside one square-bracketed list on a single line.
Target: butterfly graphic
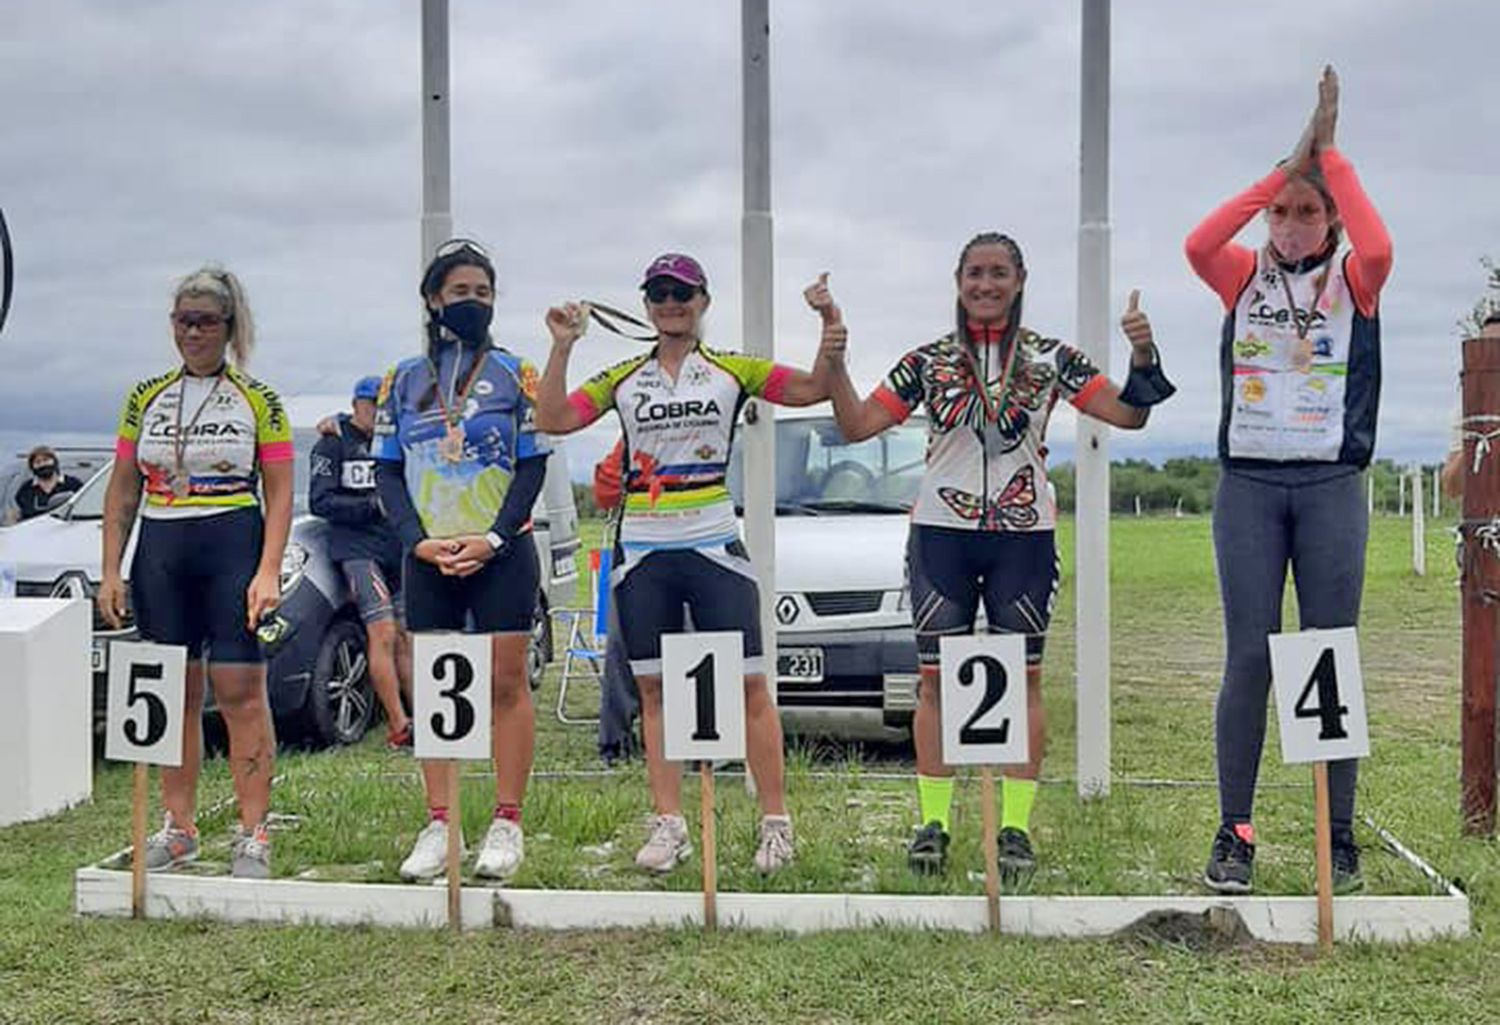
[(1013, 508)]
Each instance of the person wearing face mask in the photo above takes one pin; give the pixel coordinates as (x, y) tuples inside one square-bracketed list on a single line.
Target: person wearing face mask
[(47, 482), (983, 524), (458, 465), (1299, 357)]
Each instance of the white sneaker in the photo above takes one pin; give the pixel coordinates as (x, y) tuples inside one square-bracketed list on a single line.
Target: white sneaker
[(775, 850), (503, 849), (667, 845), (429, 855)]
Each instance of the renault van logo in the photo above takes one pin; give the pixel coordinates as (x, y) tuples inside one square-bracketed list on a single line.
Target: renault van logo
[(786, 610)]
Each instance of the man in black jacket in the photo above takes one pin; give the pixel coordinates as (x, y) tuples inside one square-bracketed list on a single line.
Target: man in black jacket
[(362, 542), (47, 482)]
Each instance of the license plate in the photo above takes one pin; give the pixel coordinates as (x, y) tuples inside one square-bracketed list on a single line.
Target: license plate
[(804, 665), (100, 656)]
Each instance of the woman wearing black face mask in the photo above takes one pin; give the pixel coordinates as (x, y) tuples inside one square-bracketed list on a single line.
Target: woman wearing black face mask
[(47, 482), (458, 464)]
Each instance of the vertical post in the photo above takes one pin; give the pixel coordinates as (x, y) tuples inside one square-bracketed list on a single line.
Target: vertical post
[(1418, 525), (1092, 503), (455, 850), (139, 794), (1437, 492), (756, 278), (1480, 583), (991, 847), (710, 846), (1323, 837), (437, 209), (1370, 492), (1400, 494)]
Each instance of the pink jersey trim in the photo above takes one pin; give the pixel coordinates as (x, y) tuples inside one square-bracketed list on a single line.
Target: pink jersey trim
[(892, 403), (584, 407), (1088, 391), (1211, 249), (125, 450), (776, 382), (275, 452), (1373, 254)]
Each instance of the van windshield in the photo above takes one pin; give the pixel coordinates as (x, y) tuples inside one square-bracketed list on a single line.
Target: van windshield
[(818, 473)]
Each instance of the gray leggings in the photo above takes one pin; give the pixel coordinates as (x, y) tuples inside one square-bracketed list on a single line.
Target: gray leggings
[(1261, 523)]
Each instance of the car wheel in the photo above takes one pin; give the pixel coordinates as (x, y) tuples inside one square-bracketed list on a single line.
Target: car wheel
[(340, 701), (539, 651)]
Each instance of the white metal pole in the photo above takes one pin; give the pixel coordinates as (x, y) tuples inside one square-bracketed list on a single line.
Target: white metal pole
[(1092, 640), (1437, 492), (437, 209), (1400, 494), (1418, 525), (1370, 492), (756, 278)]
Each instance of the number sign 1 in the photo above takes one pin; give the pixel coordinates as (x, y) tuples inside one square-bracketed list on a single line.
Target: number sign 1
[(703, 696), (146, 700), (451, 696), (1320, 695), (983, 698)]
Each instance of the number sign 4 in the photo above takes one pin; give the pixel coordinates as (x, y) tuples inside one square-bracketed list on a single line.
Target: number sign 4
[(703, 696), (451, 696), (147, 695), (983, 698), (1320, 695)]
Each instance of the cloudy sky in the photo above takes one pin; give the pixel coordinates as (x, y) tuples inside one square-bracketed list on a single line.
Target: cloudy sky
[(282, 139)]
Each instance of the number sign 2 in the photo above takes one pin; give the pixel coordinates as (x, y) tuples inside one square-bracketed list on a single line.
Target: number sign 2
[(1320, 695), (703, 696), (146, 699), (983, 698), (451, 696)]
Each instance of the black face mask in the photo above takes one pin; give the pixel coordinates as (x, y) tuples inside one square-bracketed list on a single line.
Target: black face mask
[(45, 472), (469, 320)]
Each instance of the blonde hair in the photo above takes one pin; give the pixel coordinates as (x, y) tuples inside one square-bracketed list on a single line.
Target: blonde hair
[(215, 282)]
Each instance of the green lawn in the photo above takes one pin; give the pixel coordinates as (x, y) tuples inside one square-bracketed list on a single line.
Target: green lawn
[(357, 810)]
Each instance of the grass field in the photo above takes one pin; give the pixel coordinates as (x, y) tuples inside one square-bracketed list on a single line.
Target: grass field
[(353, 813)]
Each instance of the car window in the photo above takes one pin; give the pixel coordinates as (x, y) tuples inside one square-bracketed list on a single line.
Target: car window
[(817, 470)]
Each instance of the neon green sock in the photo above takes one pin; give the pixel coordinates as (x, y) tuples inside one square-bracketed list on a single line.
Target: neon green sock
[(1016, 799), (935, 798)]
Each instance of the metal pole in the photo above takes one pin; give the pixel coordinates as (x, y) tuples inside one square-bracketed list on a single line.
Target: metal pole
[(1418, 525), (1092, 503), (1437, 492), (437, 209), (1400, 494), (756, 278)]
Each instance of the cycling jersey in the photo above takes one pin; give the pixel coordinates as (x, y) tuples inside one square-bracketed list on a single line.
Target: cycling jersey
[(986, 471), (222, 427), (678, 434), (459, 496)]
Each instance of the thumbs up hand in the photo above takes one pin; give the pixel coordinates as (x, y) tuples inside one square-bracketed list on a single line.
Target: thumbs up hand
[(1135, 323)]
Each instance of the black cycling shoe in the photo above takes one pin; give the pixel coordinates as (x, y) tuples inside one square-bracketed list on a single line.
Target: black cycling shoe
[(928, 853), (1232, 863), (1017, 862), (1347, 877)]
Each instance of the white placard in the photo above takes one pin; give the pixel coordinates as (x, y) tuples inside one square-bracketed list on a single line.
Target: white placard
[(146, 701), (451, 696), (703, 696), (1320, 695), (983, 699)]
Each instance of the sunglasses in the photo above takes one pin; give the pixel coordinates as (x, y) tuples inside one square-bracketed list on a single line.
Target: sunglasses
[(203, 321), (659, 291), (460, 245)]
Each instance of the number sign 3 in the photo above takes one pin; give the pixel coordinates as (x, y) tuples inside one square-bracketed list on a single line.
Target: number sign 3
[(703, 696), (451, 696), (983, 698), (147, 695), (1320, 695)]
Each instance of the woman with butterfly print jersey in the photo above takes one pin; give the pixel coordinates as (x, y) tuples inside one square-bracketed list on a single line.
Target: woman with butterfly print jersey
[(1300, 365), (982, 528)]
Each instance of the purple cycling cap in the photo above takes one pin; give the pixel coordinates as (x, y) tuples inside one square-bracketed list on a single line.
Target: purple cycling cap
[(679, 266)]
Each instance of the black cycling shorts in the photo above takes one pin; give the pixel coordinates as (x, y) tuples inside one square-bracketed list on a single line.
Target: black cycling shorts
[(948, 573), (188, 581), (369, 586), (715, 586), (499, 599)]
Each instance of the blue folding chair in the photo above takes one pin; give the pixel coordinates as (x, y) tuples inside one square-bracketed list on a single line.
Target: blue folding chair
[(588, 632)]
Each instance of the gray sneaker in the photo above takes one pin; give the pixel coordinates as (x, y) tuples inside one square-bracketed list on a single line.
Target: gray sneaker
[(170, 847), (667, 845), (250, 854), (775, 850)]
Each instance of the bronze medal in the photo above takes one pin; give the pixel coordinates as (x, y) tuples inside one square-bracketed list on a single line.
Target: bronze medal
[(451, 447)]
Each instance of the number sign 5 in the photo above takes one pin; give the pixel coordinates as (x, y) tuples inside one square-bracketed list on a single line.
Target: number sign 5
[(147, 695), (983, 698)]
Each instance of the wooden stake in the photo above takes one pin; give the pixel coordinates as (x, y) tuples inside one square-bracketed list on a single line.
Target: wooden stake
[(710, 851), (991, 847), (138, 840), (1323, 838), (455, 849), (1480, 580)]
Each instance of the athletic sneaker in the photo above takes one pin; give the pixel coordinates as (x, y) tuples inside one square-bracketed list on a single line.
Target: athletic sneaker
[(429, 855), (250, 854), (1347, 877), (170, 847), (501, 853), (775, 850), (1232, 862), (667, 845), (927, 854), (1017, 862)]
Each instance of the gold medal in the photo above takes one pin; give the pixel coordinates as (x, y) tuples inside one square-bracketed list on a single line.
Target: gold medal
[(451, 447)]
